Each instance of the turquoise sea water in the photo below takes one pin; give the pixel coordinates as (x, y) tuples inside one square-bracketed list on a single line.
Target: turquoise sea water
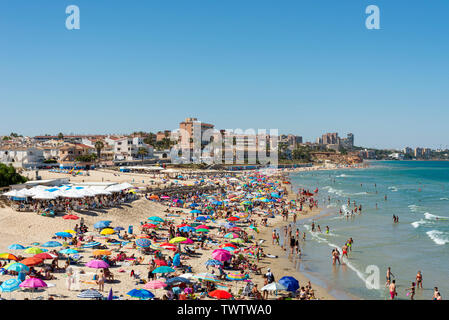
[(417, 192)]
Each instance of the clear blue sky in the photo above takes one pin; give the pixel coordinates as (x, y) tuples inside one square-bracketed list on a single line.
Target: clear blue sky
[(305, 67)]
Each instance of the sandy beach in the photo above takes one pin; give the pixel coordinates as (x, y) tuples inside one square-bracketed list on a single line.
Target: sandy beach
[(28, 227)]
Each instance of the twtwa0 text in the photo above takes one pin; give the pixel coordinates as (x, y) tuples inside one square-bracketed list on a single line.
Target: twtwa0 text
[(226, 309)]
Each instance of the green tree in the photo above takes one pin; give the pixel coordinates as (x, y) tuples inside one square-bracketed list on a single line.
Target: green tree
[(9, 176), (99, 145), (142, 152), (60, 136)]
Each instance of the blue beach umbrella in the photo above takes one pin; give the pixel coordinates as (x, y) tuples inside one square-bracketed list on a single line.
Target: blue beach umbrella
[(63, 234), (193, 205), (290, 283), (163, 269), (155, 218), (177, 280), (16, 247), (10, 285), (195, 211), (51, 244), (177, 260), (18, 267), (143, 243), (91, 244), (213, 262), (102, 224), (68, 251), (187, 229), (119, 228), (202, 218)]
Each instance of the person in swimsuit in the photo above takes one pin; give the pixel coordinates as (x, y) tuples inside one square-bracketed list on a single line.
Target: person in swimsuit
[(419, 279), (273, 236), (393, 292), (327, 229), (344, 249), (319, 228), (313, 226), (436, 293), (411, 291), (389, 275)]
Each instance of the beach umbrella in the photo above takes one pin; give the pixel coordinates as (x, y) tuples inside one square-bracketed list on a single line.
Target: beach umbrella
[(233, 219), (31, 261), (102, 224), (237, 240), (17, 267), (110, 295), (91, 244), (221, 255), (187, 229), (177, 239), (187, 241), (90, 294), (155, 218), (206, 276), (16, 247), (45, 255), (68, 251), (202, 226), (228, 245), (154, 197), (235, 229), (182, 225), (107, 231), (163, 269), (33, 250), (70, 217), (97, 264), (51, 244), (143, 243), (220, 294), (290, 283), (177, 280), (195, 211), (8, 256), (202, 230), (177, 259), (160, 262), (230, 249), (236, 276), (201, 218), (213, 262), (274, 286), (10, 285), (193, 205), (33, 283), (143, 236), (155, 284), (63, 234), (142, 294), (101, 253), (119, 228), (231, 235)]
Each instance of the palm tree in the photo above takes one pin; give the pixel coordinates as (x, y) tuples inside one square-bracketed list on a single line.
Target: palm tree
[(142, 152), (60, 136), (99, 145)]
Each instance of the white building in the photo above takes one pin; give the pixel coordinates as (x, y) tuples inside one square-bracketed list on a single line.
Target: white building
[(22, 157), (126, 148)]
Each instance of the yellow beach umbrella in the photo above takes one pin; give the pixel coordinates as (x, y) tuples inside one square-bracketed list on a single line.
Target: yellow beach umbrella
[(8, 256), (70, 231), (33, 250), (102, 253), (177, 239), (107, 231), (237, 240)]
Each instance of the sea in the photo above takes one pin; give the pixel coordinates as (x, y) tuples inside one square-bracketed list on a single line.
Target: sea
[(415, 191)]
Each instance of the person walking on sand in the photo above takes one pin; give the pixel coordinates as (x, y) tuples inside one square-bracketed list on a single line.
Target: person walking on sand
[(273, 236), (393, 292)]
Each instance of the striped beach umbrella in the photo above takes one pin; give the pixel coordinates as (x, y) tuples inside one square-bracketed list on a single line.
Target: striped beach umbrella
[(143, 243), (90, 294), (17, 267), (8, 256), (231, 235), (91, 244), (236, 276)]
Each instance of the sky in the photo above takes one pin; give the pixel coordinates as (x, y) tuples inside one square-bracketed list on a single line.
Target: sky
[(302, 67)]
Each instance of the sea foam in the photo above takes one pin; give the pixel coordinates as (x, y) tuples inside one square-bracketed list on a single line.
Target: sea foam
[(438, 237)]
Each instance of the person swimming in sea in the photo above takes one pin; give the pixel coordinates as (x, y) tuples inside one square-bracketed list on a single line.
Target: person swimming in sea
[(389, 275), (327, 229)]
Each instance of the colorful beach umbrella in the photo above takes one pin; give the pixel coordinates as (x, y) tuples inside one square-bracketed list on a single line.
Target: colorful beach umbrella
[(155, 284), (220, 294), (34, 250), (17, 267), (68, 251), (143, 243), (155, 218), (177, 239), (101, 253), (141, 294), (91, 244), (10, 285), (8, 256), (231, 235), (163, 269), (51, 244), (90, 294), (31, 261), (97, 264), (236, 276), (33, 283), (45, 255), (70, 217), (16, 247), (221, 255)]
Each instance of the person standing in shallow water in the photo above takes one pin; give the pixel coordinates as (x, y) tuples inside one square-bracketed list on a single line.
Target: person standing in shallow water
[(419, 280)]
